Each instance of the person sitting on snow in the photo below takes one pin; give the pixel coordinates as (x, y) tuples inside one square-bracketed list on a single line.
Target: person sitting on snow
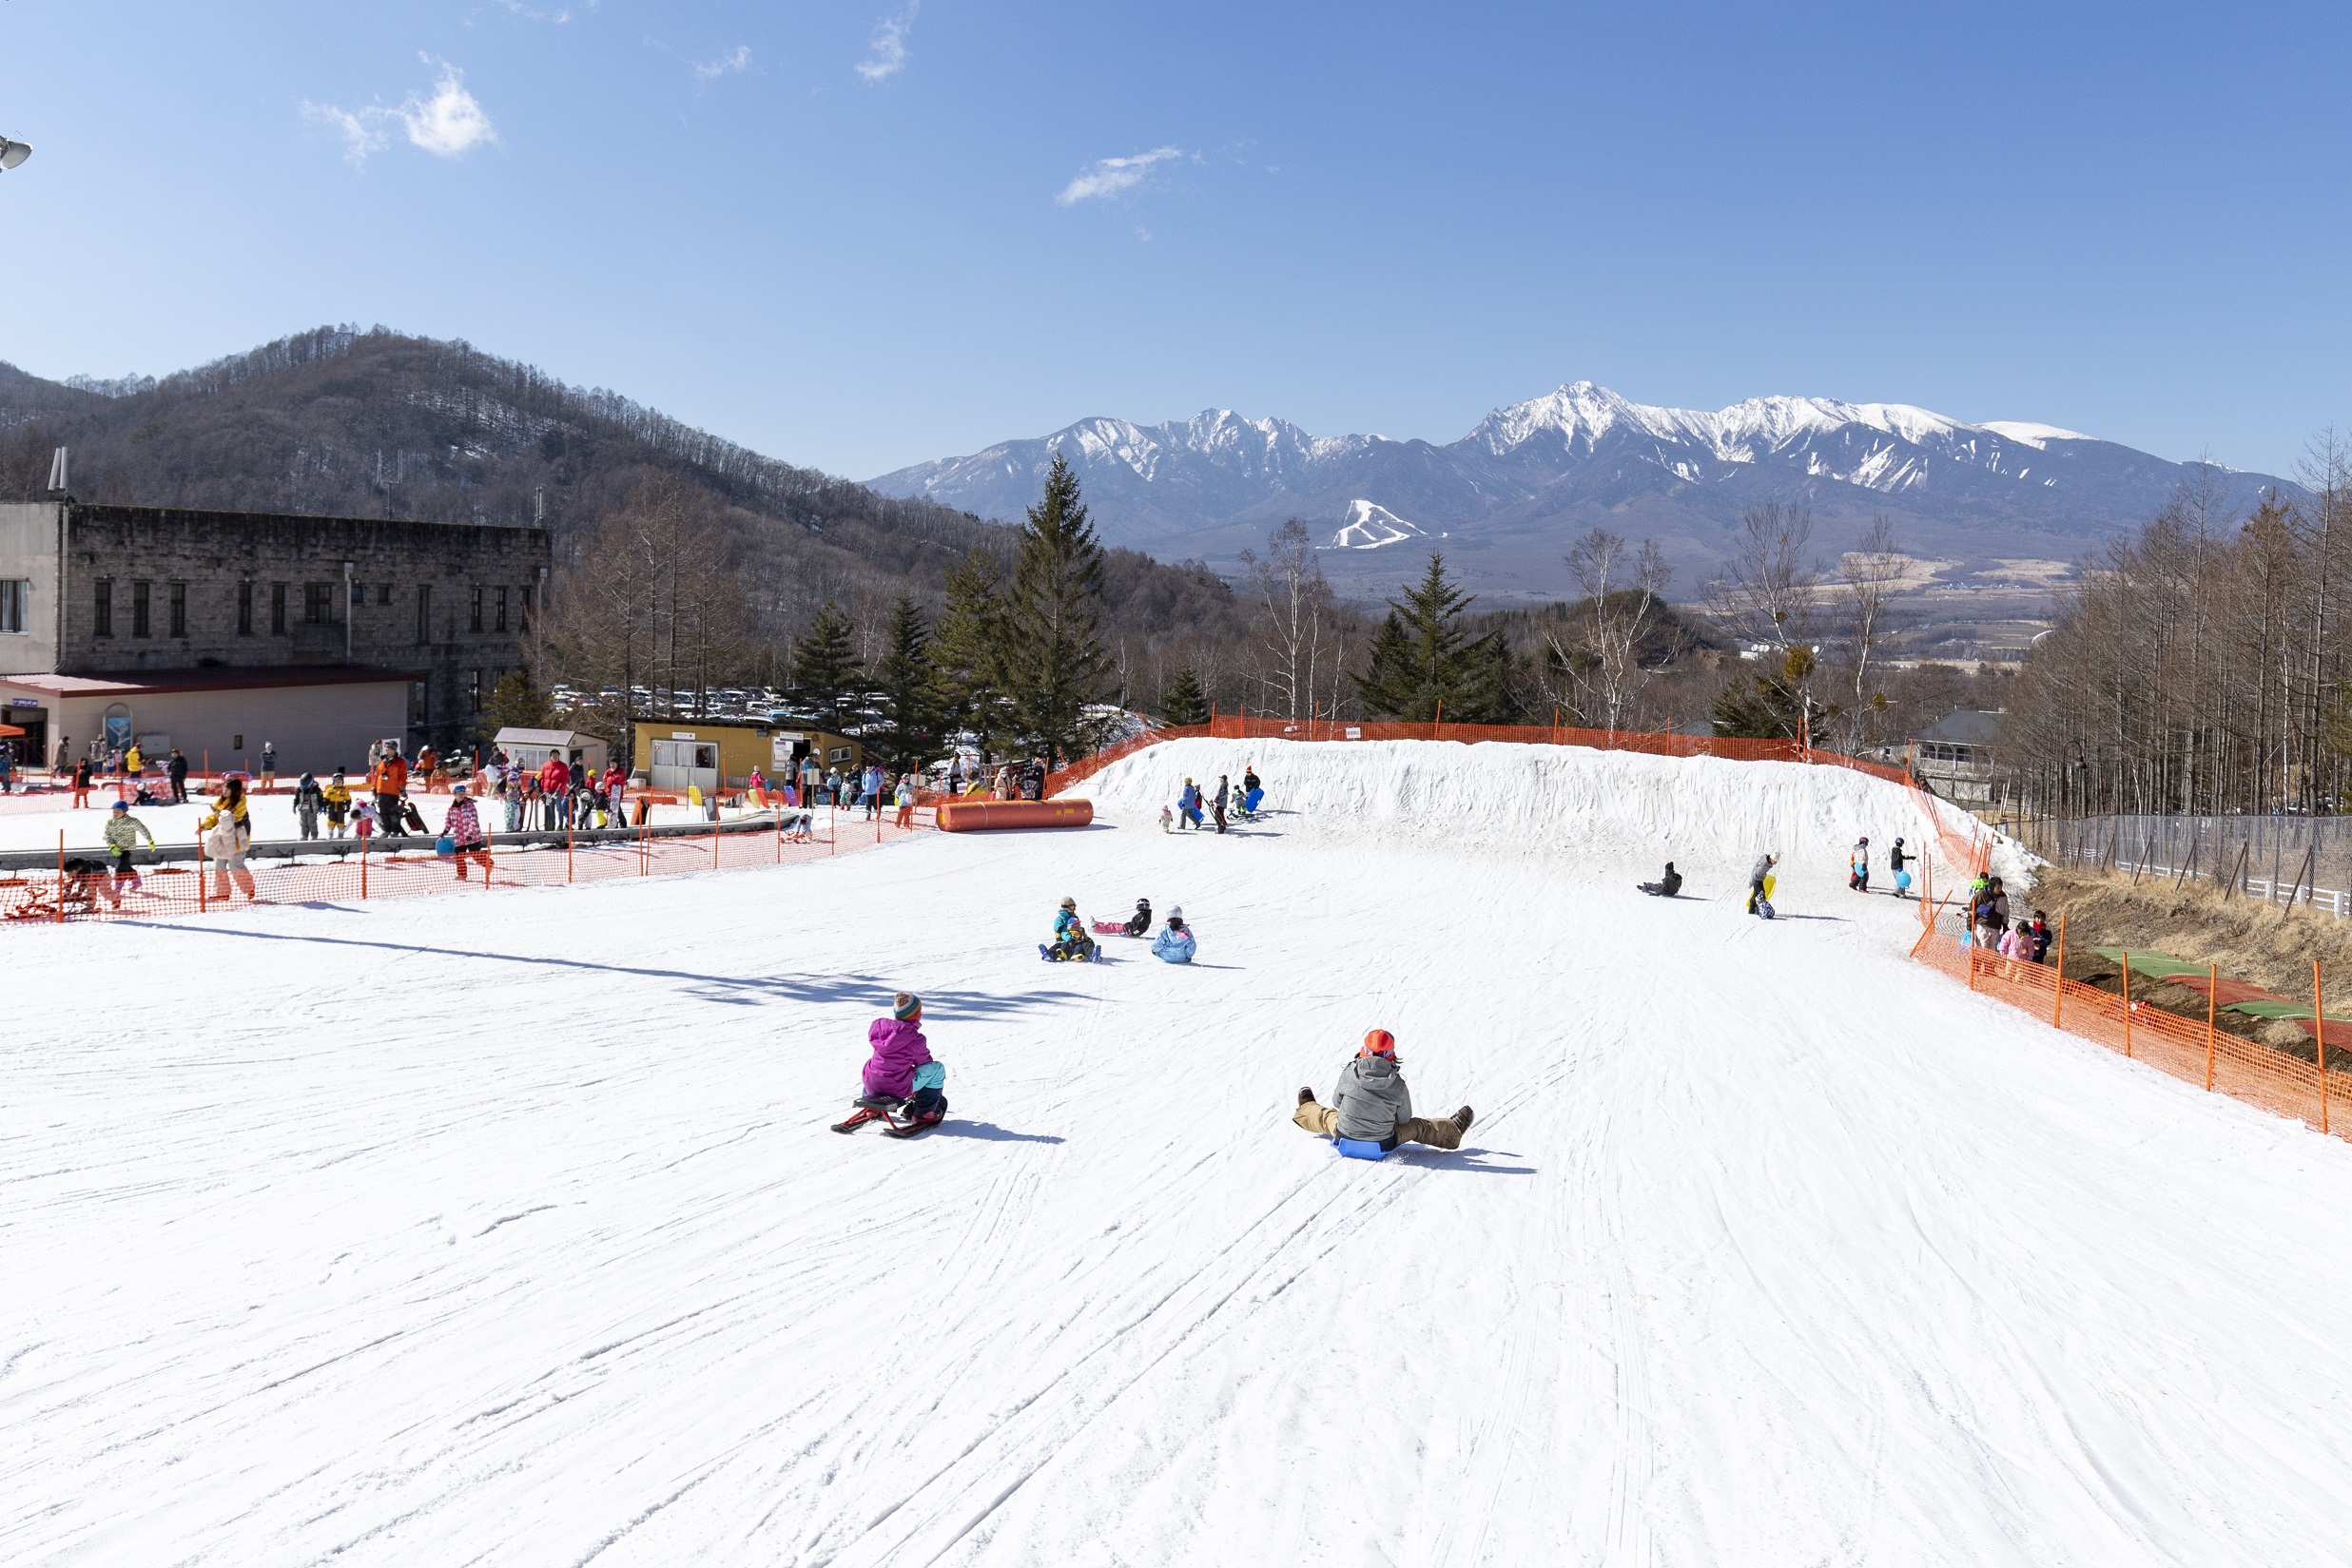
[(1174, 943), (1071, 944), (1140, 922), (1666, 886), (900, 1076), (1372, 1104)]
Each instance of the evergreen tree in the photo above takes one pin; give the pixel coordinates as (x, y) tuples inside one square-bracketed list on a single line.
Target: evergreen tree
[(824, 666), (1770, 706), (1185, 704), (1055, 658), (1422, 660), (909, 691), (515, 703), (967, 652)]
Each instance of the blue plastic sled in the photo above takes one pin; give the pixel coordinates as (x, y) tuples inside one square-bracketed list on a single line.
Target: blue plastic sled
[(1356, 1149), (1902, 882)]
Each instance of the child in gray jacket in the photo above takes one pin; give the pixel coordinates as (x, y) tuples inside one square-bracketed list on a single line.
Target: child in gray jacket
[(1374, 1106)]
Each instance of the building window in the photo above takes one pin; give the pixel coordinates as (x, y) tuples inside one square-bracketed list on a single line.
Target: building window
[(15, 602), (501, 609), (104, 624), (359, 593), (384, 593), (477, 625), (318, 603), (474, 692), (245, 609), (418, 707), (277, 609), (179, 610), (424, 617), (141, 596)]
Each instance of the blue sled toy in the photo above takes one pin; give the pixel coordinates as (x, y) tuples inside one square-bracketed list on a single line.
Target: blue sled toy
[(1902, 882), (1356, 1149)]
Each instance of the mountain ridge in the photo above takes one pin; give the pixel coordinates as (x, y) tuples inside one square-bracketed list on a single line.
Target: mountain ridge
[(1511, 492)]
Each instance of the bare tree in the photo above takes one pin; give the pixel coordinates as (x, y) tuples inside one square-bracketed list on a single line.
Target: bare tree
[(1767, 593), (1868, 575), (1288, 580), (1622, 586)]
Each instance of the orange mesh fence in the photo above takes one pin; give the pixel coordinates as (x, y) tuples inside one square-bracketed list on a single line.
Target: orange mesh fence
[(2197, 1053), (400, 871)]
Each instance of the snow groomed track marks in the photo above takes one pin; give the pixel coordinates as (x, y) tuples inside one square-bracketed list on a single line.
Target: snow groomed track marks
[(414, 1234)]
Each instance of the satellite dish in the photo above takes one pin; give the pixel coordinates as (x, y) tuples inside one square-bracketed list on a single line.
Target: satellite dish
[(12, 153)]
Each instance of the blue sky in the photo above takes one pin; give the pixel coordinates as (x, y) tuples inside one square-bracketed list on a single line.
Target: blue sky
[(860, 235)]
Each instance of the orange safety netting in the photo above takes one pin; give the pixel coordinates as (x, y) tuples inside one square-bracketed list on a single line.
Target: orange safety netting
[(402, 872), (2200, 1054)]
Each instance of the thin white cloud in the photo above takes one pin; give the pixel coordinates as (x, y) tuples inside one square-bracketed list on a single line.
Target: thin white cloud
[(1109, 177), (362, 133), (889, 45), (447, 123), (528, 13), (733, 61)]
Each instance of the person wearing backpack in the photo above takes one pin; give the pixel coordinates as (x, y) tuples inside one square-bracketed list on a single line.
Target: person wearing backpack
[(228, 833)]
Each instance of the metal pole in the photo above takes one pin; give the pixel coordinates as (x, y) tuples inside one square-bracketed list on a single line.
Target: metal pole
[(2127, 1002), (2319, 1028), (2212, 989), (2057, 992)]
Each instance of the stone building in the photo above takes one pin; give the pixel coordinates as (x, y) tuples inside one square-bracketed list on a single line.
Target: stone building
[(215, 632)]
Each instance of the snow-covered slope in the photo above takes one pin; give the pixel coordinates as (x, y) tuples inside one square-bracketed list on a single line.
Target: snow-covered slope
[(507, 1230), (1582, 454)]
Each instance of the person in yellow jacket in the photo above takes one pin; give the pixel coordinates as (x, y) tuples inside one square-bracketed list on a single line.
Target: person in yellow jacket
[(228, 833), (337, 795)]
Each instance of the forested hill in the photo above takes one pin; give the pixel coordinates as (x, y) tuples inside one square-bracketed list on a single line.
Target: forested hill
[(379, 423)]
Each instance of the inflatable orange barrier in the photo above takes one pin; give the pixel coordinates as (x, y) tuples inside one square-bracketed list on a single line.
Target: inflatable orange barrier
[(977, 816)]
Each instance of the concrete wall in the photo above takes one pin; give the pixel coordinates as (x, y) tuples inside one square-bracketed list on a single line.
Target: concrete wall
[(28, 553), (418, 581), (317, 728)]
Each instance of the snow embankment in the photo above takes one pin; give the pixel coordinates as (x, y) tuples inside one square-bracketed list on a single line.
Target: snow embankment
[(1614, 807)]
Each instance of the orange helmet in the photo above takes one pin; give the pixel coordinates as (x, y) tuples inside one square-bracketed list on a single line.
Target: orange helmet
[(1379, 1043)]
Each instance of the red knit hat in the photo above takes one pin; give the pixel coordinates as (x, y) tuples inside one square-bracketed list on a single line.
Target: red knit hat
[(1379, 1043)]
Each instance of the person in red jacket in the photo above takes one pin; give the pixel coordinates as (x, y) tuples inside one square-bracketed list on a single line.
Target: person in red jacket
[(556, 784)]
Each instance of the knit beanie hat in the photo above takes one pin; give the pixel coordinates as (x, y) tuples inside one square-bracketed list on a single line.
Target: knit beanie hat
[(906, 1005), (1379, 1043)]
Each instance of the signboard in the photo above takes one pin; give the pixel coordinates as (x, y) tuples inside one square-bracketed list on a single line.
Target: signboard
[(24, 702), (1354, 734), (681, 734)]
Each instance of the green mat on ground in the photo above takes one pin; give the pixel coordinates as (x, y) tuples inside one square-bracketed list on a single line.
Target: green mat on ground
[(2273, 1008), (2154, 965)]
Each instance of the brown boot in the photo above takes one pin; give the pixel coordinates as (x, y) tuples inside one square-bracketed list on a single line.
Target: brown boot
[(1306, 1096), (1462, 1119)]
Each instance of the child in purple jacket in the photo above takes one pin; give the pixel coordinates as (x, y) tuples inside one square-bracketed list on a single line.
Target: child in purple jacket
[(900, 1075)]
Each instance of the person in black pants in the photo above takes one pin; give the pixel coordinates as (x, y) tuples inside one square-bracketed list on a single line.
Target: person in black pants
[(178, 769), (1216, 802)]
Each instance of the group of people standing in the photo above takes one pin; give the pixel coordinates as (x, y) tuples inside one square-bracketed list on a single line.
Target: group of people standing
[(1227, 799)]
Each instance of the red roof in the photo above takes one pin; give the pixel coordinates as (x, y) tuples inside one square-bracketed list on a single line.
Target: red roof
[(133, 683)]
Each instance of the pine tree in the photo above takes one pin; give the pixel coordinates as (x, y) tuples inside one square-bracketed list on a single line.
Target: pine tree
[(1055, 658), (1185, 704), (824, 666), (515, 703), (1423, 661), (967, 652), (908, 690)]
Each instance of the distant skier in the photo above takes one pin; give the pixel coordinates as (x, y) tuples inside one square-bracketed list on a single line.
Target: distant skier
[(1666, 886), (1857, 871), (1756, 887), (1896, 860), (1175, 943), (903, 1086), (1372, 1104)]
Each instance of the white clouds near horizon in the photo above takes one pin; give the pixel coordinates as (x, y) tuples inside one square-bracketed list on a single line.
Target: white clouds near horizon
[(1108, 177), (447, 122), (732, 63)]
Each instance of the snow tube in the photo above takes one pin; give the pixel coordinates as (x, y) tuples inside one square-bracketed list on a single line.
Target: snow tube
[(1902, 880), (978, 816), (1356, 1149)]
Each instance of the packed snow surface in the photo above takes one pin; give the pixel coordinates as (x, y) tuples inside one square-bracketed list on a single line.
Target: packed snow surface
[(507, 1229)]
